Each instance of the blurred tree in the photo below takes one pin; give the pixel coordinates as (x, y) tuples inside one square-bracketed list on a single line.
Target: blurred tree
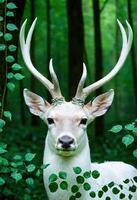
[(133, 60), (76, 40), (99, 122), (3, 64)]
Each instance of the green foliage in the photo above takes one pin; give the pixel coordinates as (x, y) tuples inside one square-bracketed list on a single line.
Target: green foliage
[(130, 135)]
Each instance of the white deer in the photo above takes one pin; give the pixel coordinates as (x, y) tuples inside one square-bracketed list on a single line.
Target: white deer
[(66, 144)]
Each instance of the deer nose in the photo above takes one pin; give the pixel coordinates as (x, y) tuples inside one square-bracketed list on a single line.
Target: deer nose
[(66, 141)]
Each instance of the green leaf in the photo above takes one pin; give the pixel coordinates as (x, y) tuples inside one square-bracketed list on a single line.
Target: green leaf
[(4, 170), (10, 59), (135, 179), (80, 179), (52, 178), (115, 190), (92, 194), (38, 173), (3, 161), (31, 168), (1, 18), (2, 181), (111, 184), (78, 195), (53, 187), (126, 181), (100, 193), (8, 36), (18, 76), (116, 129), (86, 186), (12, 48), (108, 198), (2, 47), (105, 188), (62, 175), (30, 181), (11, 86), (122, 196), (7, 114), (72, 197), (1, 34), (17, 157), (95, 174), (87, 174), (2, 123), (10, 75), (16, 67), (133, 188), (2, 150), (11, 27), (17, 176), (29, 156), (129, 127), (135, 153), (64, 185), (44, 166), (11, 6), (77, 170), (135, 131), (74, 189), (127, 140), (10, 14)]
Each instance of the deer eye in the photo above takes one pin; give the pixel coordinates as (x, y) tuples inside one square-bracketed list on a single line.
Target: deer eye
[(50, 121), (83, 121)]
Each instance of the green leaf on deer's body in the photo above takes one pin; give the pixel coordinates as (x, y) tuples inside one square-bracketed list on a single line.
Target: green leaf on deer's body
[(2, 47), (44, 166), (116, 129), (135, 179), (115, 190), (11, 6), (86, 186), (80, 179), (2, 181), (129, 127), (64, 185), (2, 123), (78, 195), (16, 67), (18, 76), (72, 197), (8, 36), (53, 187), (11, 86), (17, 176), (10, 14), (10, 59), (92, 194), (77, 170), (10, 75), (11, 27), (30, 181), (29, 156), (62, 175), (135, 153), (127, 140), (100, 193), (95, 174), (74, 189), (31, 168), (12, 48), (87, 174), (52, 178)]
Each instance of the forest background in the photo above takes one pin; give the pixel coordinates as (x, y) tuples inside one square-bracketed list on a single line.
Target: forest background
[(70, 32)]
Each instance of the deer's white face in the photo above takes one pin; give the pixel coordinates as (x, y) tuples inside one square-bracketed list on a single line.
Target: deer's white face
[(67, 122)]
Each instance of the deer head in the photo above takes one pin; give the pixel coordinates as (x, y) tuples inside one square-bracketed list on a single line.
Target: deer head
[(67, 121)]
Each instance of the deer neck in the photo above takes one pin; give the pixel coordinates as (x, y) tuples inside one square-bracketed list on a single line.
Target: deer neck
[(81, 158)]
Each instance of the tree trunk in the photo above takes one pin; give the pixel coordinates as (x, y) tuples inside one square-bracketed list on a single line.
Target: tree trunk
[(99, 122), (76, 43), (133, 60)]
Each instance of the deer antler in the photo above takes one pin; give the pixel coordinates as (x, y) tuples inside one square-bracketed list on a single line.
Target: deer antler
[(54, 87), (82, 93)]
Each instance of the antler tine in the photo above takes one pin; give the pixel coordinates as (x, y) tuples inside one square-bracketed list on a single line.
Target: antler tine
[(53, 88), (126, 46)]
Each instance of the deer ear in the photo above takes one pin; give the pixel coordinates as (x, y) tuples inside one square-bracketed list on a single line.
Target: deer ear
[(100, 104), (36, 104)]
